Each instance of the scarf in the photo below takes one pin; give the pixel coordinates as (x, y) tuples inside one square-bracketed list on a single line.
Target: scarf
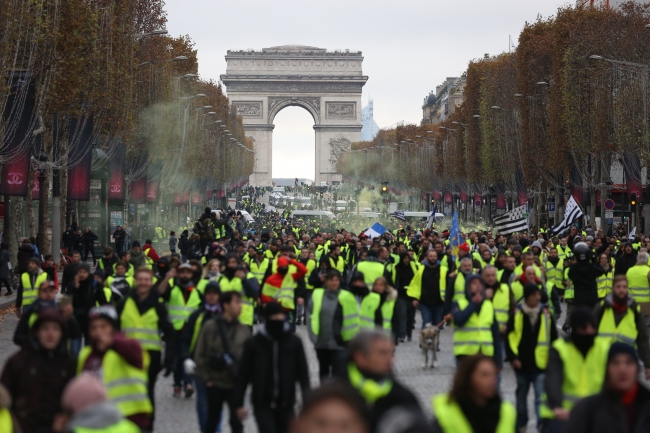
[(531, 313)]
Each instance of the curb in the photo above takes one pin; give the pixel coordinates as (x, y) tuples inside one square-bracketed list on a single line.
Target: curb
[(7, 301)]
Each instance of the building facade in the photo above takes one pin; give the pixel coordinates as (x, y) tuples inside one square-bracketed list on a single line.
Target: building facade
[(443, 103)]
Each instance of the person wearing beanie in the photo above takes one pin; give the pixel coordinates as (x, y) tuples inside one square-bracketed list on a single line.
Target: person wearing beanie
[(575, 369), (86, 408), (137, 257), (476, 329), (619, 318), (151, 257), (28, 284), (209, 309), (36, 375), (117, 359), (182, 297), (622, 406), (531, 330), (236, 278), (273, 362), (144, 318), (458, 278), (281, 286)]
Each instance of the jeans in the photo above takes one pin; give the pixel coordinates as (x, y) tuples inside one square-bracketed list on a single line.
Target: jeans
[(202, 405), (431, 315), (328, 358), (401, 320), (524, 380), (273, 420), (216, 398), (180, 378), (90, 249)]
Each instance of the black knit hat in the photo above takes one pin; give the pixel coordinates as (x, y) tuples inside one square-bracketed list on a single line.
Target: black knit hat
[(530, 289), (271, 309), (617, 348)]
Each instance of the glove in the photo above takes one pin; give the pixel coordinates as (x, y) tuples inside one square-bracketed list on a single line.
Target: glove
[(190, 366)]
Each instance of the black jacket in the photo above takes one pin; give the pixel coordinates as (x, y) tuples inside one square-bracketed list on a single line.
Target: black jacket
[(272, 367), (605, 413), (583, 276), (21, 334), (624, 262), (188, 330), (528, 343), (184, 244)]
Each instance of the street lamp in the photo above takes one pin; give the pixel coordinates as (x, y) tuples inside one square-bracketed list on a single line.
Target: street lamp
[(596, 57), (542, 83), (476, 116), (153, 33)]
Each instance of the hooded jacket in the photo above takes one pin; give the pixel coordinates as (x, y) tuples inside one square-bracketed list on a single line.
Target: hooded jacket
[(272, 367), (137, 259), (35, 378)]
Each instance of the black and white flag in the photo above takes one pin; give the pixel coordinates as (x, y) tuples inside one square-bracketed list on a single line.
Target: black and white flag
[(513, 221), (632, 234), (571, 214), (399, 215)]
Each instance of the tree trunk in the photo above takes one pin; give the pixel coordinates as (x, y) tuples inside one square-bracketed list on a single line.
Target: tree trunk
[(592, 207), (29, 203), (556, 214), (16, 226)]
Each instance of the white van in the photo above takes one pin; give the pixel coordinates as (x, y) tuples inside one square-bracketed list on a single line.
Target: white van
[(340, 205), (278, 189), (312, 214)]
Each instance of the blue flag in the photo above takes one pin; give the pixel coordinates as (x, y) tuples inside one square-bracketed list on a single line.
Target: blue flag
[(455, 239)]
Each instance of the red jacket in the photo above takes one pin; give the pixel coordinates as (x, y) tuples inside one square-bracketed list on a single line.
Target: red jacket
[(277, 278), (151, 253)]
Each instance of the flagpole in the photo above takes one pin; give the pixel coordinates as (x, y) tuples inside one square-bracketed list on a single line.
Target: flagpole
[(509, 43)]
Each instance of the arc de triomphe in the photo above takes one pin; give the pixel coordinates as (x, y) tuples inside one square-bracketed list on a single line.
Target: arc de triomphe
[(327, 84)]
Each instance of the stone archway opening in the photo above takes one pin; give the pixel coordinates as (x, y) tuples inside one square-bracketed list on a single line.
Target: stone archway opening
[(294, 149), (327, 84)]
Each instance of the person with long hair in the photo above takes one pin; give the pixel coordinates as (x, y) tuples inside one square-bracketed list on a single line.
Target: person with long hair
[(474, 404)]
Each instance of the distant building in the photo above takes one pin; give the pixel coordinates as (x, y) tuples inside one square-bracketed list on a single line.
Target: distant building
[(369, 127), (443, 103)]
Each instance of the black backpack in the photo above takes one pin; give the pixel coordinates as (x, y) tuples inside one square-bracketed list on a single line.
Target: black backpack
[(198, 228), (194, 252)]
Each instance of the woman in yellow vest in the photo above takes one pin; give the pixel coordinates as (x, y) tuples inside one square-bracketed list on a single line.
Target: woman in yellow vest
[(121, 363), (387, 298), (605, 281), (474, 404)]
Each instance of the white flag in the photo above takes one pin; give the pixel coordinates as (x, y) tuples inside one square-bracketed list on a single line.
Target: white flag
[(571, 214), (632, 234)]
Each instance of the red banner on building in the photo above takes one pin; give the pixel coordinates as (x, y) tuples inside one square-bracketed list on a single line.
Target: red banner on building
[(464, 198), (178, 199), (17, 144), (501, 197), (153, 189), (116, 167), (80, 136), (138, 190), (449, 198), (196, 198)]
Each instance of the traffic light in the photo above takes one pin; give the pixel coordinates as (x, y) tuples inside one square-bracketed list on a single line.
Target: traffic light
[(633, 201), (384, 187)]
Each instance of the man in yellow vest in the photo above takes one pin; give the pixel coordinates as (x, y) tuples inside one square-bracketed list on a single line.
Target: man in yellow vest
[(638, 280), (29, 283), (304, 290), (143, 317), (576, 369), (619, 318), (332, 321), (259, 265), (500, 295), (235, 278), (371, 269), (531, 330), (428, 289), (182, 298), (369, 371), (280, 287), (476, 329), (121, 363)]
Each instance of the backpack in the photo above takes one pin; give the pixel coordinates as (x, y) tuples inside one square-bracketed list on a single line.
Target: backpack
[(194, 252), (208, 230), (198, 228)]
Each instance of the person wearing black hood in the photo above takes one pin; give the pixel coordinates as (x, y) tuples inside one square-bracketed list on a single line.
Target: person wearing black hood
[(403, 273), (235, 278), (625, 259), (583, 274), (273, 363), (184, 245), (37, 375), (576, 369), (81, 288), (141, 302)]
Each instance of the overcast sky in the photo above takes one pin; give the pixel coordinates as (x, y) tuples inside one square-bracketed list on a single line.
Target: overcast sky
[(409, 48)]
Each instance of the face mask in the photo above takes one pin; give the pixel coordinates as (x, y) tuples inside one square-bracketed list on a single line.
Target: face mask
[(275, 328), (283, 270), (359, 290), (184, 280), (583, 342)]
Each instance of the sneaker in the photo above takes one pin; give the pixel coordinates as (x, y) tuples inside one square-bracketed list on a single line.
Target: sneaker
[(188, 390), (408, 338), (401, 339), (9, 293), (298, 322), (177, 392)]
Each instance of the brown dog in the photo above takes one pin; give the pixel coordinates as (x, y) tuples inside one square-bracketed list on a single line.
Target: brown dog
[(429, 337)]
